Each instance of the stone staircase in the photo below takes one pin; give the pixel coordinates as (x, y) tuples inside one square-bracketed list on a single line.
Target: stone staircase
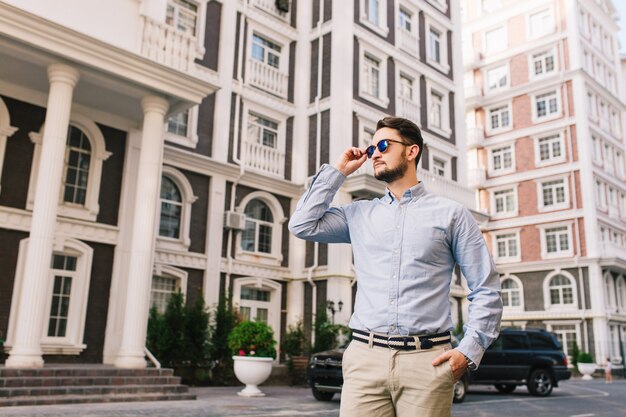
[(71, 384)]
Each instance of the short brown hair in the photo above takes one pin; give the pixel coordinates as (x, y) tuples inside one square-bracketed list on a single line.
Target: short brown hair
[(407, 129)]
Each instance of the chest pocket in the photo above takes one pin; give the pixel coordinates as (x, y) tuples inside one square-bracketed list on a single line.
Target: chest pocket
[(426, 244)]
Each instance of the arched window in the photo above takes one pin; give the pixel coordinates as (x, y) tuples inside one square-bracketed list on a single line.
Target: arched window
[(621, 293), (257, 236), (77, 162), (511, 296), (171, 209), (609, 291), (561, 291), (166, 281)]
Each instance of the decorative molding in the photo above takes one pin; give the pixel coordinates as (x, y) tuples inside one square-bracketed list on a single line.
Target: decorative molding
[(253, 269), (182, 260)]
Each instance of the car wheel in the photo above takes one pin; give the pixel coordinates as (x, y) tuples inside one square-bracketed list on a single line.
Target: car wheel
[(322, 395), (540, 383), (505, 388), (460, 389)]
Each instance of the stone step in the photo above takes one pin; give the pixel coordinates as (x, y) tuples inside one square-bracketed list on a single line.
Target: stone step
[(91, 390), (78, 399), (83, 371), (46, 381)]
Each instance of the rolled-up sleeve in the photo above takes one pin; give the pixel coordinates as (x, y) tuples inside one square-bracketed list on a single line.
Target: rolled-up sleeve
[(313, 218), (476, 264)]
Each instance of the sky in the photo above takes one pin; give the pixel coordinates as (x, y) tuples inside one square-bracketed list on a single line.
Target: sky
[(620, 5)]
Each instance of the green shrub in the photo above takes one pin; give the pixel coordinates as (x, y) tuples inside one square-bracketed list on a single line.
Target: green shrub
[(294, 341), (575, 352), (584, 357), (252, 338), (223, 320)]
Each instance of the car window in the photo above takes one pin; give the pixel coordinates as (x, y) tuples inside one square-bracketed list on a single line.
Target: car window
[(514, 342), (541, 341), (497, 345)]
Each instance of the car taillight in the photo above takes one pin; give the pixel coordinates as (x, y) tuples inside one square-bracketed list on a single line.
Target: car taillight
[(564, 360)]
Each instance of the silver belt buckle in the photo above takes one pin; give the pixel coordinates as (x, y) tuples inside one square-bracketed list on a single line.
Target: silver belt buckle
[(390, 346)]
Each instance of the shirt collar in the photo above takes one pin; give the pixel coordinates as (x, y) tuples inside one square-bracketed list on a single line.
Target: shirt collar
[(412, 193)]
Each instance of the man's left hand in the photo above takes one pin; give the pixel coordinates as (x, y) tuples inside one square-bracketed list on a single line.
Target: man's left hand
[(457, 360)]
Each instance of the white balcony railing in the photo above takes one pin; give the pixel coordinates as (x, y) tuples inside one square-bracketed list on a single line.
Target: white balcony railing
[(167, 45), (269, 6), (471, 59), (613, 250), (409, 109), (264, 159), (267, 78), (408, 41), (472, 96), (476, 177), (475, 137), (447, 188)]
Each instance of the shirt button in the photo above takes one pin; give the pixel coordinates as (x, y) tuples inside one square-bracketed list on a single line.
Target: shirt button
[(392, 328), (392, 302), (398, 226), (394, 277), (395, 251)]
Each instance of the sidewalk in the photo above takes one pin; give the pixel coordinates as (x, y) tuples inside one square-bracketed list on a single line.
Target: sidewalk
[(280, 401)]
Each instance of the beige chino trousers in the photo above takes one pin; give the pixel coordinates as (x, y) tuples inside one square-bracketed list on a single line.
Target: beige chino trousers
[(383, 382)]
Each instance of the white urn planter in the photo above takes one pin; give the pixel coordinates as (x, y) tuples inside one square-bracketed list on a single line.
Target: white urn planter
[(252, 371), (587, 369)]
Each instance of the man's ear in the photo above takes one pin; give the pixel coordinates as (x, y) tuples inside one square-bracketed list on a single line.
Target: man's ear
[(414, 150)]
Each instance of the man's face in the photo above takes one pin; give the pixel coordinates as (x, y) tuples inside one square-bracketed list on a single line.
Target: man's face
[(393, 163)]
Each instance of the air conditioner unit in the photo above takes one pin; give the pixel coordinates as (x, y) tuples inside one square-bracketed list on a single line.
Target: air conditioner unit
[(234, 220)]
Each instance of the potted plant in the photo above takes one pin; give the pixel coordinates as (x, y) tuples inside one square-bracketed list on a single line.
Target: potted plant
[(253, 347), (586, 365), (295, 346)]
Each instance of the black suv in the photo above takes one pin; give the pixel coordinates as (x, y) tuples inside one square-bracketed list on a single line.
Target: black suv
[(523, 357)]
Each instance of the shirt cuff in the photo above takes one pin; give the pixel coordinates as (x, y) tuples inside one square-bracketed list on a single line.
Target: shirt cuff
[(472, 350)]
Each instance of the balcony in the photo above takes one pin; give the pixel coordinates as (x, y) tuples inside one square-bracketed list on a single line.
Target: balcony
[(362, 184), (267, 78), (264, 159), (408, 109), (447, 188), (613, 250), (475, 137), (476, 177), (471, 59), (408, 41), (168, 46), (473, 96), (269, 6)]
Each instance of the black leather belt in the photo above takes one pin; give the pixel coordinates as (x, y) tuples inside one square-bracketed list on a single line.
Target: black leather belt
[(402, 342)]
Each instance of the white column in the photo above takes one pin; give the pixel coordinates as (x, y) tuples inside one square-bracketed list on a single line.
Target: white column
[(141, 252), (26, 351)]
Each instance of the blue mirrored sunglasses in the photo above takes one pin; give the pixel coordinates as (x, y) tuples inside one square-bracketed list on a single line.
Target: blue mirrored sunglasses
[(382, 146)]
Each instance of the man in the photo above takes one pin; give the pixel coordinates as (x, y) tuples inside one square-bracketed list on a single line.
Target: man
[(405, 245)]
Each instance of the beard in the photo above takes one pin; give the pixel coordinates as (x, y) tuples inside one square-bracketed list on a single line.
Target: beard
[(390, 175)]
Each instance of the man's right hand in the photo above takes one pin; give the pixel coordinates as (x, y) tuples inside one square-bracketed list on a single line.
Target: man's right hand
[(350, 160)]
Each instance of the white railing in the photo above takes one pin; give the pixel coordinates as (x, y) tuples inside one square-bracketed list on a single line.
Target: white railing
[(476, 177), (263, 158), (409, 110), (408, 41), (475, 137), (167, 45), (269, 6), (267, 78), (613, 250), (447, 188)]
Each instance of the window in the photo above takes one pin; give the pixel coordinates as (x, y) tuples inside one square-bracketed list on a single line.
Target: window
[(557, 240), (77, 160), (371, 76), (163, 288), (263, 131), (434, 45), (511, 293), (436, 103), (550, 149), (265, 51), (178, 123), (540, 24), (257, 236), (499, 118), (567, 336), (64, 272), (497, 78), (596, 149), (374, 15), (171, 209), (405, 20), (181, 128), (259, 299), (554, 193), (505, 201), (561, 291), (546, 105), (254, 304), (183, 15), (543, 63), (507, 246), (372, 8), (621, 293), (406, 88), (439, 167), (495, 40), (502, 158)]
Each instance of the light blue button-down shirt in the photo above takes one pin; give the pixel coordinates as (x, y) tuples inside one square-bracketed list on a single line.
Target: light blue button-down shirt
[(404, 254)]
